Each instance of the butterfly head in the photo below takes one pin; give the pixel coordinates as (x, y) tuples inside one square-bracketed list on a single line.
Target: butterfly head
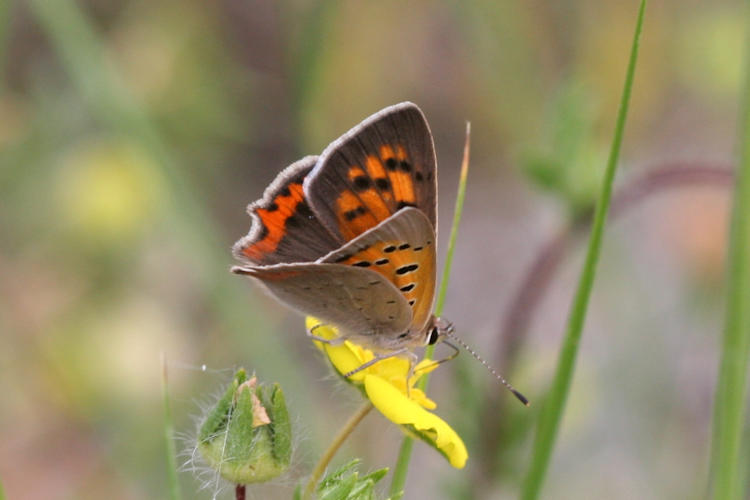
[(437, 330)]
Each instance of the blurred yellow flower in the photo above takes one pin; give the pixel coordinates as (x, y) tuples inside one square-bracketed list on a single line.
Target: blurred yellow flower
[(385, 385), (108, 190)]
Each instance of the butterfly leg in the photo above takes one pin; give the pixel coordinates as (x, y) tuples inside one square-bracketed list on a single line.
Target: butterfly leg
[(334, 342), (377, 358), (443, 360), (413, 360)]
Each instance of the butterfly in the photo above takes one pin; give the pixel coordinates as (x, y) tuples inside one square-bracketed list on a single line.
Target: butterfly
[(349, 236)]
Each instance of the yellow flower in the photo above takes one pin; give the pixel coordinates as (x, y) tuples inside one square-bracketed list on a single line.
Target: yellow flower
[(385, 385)]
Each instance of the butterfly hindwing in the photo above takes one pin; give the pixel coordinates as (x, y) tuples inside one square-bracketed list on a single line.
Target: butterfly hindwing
[(360, 302), (284, 227), (385, 163), (402, 249)]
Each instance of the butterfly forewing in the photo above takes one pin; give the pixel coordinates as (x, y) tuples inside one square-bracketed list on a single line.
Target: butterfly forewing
[(382, 165), (402, 249), (284, 227)]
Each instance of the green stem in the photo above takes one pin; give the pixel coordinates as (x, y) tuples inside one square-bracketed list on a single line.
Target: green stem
[(457, 211), (554, 404), (174, 483), (326, 458), (729, 406), (404, 455)]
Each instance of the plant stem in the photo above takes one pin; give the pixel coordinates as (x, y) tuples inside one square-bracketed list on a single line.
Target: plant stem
[(457, 211), (554, 403), (174, 483), (239, 492), (404, 455), (326, 458), (731, 386)]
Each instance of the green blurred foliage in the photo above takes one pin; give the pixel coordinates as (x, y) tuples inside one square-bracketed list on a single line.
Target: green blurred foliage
[(345, 483), (120, 198), (569, 165)]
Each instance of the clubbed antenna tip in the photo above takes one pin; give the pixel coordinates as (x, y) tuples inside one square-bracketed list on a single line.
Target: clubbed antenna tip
[(451, 334), (520, 397)]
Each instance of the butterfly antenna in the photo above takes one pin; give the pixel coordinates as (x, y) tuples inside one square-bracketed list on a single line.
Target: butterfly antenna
[(451, 333)]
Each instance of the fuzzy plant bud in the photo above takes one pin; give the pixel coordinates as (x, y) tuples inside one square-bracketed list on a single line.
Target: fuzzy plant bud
[(247, 436)]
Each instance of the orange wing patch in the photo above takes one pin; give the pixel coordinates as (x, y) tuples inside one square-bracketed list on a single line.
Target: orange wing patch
[(379, 188), (274, 218), (353, 218), (400, 175)]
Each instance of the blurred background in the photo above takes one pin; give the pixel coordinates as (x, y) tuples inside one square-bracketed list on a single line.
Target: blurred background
[(134, 133)]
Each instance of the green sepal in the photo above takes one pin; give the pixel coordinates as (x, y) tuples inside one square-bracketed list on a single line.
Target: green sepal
[(281, 426)]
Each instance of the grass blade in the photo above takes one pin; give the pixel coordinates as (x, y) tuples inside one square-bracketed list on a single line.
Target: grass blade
[(174, 483), (404, 455), (554, 404), (729, 404)]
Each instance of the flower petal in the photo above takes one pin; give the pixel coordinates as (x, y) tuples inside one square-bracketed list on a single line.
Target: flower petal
[(344, 357), (398, 408)]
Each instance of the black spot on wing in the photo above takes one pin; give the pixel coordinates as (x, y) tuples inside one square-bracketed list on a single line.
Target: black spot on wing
[(361, 183), (383, 184), (410, 268), (354, 213)]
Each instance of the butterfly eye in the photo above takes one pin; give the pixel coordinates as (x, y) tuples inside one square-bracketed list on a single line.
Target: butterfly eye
[(434, 335)]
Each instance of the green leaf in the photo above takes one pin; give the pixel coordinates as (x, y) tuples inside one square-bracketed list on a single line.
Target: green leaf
[(728, 465), (554, 404), (346, 484), (566, 163)]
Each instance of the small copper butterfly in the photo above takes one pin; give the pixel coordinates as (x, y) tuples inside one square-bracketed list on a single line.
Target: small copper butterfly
[(349, 236)]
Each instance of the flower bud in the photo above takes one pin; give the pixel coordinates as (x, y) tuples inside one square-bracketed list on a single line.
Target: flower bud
[(247, 436)]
